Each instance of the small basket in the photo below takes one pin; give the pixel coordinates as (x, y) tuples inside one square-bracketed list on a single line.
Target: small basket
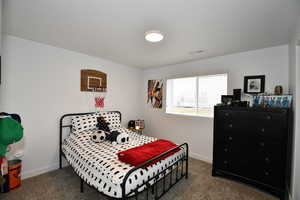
[(14, 174)]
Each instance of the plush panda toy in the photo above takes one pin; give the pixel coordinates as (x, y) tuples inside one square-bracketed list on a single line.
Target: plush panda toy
[(123, 138), (115, 137), (98, 136), (102, 124)]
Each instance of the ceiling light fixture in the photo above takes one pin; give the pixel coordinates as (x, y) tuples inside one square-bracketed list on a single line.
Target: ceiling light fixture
[(154, 36)]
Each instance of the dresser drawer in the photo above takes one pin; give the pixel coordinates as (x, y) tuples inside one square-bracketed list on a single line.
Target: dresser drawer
[(269, 146), (223, 163), (270, 153), (266, 116), (232, 155), (270, 176), (226, 114), (241, 123), (275, 133), (236, 126), (270, 116)]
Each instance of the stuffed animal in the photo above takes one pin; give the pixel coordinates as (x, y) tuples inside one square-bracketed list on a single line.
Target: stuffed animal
[(115, 137), (123, 138), (98, 136), (102, 124), (104, 133), (112, 137)]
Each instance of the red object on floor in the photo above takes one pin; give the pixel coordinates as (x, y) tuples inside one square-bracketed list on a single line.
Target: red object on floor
[(140, 154)]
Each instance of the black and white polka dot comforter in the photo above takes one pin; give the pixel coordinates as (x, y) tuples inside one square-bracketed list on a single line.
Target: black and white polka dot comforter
[(99, 166)]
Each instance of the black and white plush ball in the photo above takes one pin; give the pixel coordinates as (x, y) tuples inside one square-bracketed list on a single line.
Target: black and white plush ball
[(98, 136)]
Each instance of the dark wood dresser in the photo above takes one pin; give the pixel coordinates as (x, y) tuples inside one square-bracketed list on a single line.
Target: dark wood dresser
[(253, 146)]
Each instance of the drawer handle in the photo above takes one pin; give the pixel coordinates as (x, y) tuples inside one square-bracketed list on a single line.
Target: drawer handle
[(262, 144), (267, 173), (230, 138)]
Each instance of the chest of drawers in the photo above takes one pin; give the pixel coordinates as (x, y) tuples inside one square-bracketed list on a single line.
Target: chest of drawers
[(253, 145)]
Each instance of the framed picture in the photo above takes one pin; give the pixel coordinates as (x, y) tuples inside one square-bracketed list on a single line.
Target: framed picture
[(226, 99), (254, 84), (155, 93)]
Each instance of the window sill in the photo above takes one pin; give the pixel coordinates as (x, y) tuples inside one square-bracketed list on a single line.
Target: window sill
[(190, 115)]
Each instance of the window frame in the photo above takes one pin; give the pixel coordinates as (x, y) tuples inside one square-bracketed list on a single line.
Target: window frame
[(197, 95)]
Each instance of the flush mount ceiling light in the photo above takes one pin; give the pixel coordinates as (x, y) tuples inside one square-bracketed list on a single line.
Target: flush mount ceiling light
[(154, 36)]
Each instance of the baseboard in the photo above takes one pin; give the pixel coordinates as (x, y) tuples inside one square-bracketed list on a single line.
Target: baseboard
[(42, 170), (200, 157)]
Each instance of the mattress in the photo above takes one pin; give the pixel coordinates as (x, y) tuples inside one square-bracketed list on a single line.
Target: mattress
[(98, 165)]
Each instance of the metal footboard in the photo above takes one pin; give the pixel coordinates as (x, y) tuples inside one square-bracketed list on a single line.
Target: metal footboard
[(177, 168)]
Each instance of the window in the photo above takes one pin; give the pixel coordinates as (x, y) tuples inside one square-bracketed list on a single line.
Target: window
[(195, 95)]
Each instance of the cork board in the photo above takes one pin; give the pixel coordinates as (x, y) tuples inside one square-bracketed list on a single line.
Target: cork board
[(93, 81)]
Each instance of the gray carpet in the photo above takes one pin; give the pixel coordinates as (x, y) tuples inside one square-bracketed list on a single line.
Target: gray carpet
[(64, 184)]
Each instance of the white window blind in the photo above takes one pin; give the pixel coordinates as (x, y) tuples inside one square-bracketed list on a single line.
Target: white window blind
[(195, 95)]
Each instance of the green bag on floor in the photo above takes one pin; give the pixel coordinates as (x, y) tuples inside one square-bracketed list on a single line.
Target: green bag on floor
[(11, 131)]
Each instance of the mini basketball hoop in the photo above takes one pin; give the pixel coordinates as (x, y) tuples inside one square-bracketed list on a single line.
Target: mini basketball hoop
[(95, 83), (99, 100)]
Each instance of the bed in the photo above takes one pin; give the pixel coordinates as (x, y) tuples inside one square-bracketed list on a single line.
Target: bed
[(97, 164)]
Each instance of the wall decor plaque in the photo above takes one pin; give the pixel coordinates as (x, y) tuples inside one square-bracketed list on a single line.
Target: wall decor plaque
[(93, 81)]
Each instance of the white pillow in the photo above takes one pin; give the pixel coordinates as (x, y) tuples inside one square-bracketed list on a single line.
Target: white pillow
[(84, 122), (88, 122), (113, 118)]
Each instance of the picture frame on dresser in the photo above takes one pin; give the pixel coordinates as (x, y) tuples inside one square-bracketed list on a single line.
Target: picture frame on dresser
[(227, 99)]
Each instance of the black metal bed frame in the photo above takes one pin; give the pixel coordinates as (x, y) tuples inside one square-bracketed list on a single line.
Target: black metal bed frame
[(159, 177)]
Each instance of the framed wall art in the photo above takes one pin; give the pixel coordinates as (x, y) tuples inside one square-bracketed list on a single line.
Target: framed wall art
[(155, 93), (254, 84)]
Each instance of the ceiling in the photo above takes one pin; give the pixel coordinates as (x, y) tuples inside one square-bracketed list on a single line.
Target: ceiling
[(114, 29)]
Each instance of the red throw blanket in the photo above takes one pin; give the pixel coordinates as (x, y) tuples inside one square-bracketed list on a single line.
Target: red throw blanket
[(138, 155)]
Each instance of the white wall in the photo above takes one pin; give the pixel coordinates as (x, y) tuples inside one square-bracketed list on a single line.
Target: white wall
[(294, 82), (0, 25), (198, 131), (42, 83)]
